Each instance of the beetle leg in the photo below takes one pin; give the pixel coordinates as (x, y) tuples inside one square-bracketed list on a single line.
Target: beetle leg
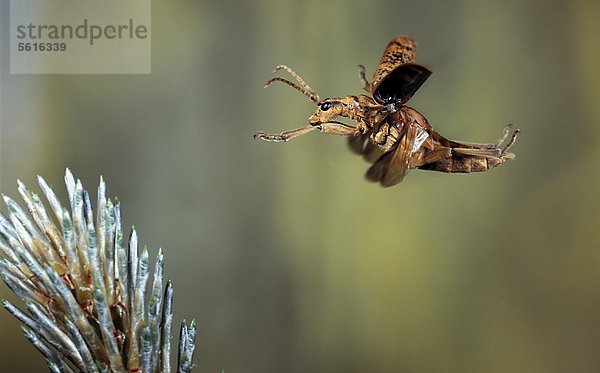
[(363, 127), (493, 150), (363, 78), (284, 136), (333, 128), (478, 152), (380, 137), (337, 128), (505, 133), (512, 141)]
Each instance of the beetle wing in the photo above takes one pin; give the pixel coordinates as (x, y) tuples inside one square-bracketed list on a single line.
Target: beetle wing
[(397, 77), (362, 144), (401, 84), (391, 168), (399, 51)]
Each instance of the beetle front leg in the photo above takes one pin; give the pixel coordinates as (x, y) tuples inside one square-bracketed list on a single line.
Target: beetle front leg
[(337, 128), (284, 136), (333, 128)]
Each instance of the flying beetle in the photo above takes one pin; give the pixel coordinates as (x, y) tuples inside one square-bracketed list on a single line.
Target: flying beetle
[(394, 137)]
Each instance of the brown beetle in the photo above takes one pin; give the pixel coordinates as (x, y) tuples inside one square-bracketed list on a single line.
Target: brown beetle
[(389, 134)]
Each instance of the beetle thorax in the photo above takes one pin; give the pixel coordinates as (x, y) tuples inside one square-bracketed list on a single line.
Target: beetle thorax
[(356, 108)]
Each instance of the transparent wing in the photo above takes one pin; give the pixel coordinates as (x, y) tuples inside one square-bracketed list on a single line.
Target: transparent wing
[(361, 144), (391, 168)]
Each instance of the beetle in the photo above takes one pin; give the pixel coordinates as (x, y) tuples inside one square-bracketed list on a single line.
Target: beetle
[(392, 136)]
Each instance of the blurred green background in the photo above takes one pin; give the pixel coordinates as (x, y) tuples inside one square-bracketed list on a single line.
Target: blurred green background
[(288, 259)]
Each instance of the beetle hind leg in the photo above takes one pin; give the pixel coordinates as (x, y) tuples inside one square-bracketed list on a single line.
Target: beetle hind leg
[(495, 146), (511, 141)]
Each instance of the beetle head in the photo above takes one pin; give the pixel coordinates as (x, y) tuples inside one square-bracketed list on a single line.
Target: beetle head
[(326, 111)]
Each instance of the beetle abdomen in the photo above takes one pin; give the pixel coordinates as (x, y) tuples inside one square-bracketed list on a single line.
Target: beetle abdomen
[(464, 164)]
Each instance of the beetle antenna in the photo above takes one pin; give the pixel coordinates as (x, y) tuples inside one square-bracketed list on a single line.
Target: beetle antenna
[(306, 92), (294, 74)]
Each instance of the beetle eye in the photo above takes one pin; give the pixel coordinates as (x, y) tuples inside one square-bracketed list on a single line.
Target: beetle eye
[(325, 106)]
